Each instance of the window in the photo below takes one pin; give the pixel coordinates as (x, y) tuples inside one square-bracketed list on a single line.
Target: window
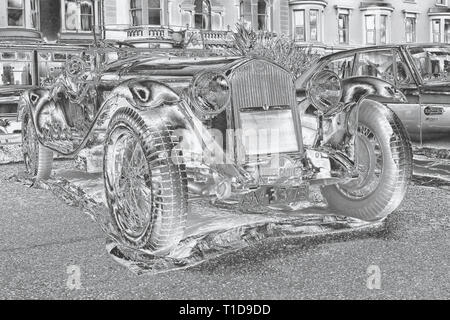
[(343, 27), (377, 64), (432, 62), (299, 25), (34, 7), (154, 12), (436, 29), (245, 11), (145, 12), (383, 27), (86, 15), (313, 17), (403, 76), (136, 12), (342, 67), (410, 26), (71, 15), (79, 15), (262, 15), (441, 2), (447, 31), (202, 15), (370, 29), (15, 13)]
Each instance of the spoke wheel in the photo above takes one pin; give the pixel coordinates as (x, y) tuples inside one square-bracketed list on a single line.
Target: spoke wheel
[(30, 146), (384, 159), (37, 158), (132, 182), (370, 164), (146, 192)]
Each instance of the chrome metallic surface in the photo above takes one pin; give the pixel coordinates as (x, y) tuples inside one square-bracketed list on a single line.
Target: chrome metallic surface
[(418, 79), (163, 113), (130, 178), (210, 93), (369, 160), (325, 90), (258, 84)]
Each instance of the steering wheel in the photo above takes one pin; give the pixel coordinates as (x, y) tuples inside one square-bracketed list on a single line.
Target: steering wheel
[(75, 67)]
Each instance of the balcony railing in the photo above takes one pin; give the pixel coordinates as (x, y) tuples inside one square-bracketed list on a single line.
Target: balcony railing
[(210, 37), (149, 32)]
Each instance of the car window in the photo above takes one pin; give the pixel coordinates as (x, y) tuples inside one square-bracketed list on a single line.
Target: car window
[(403, 75), (433, 63), (377, 64), (342, 67)]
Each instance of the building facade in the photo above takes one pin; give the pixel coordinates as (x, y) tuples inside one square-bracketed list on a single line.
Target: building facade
[(209, 22), (328, 24), (49, 20), (343, 24)]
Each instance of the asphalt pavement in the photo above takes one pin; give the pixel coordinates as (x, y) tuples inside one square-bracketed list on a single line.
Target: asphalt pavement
[(45, 243)]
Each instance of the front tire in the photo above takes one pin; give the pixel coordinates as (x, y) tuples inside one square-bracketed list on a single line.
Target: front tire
[(37, 158), (384, 157), (146, 191)]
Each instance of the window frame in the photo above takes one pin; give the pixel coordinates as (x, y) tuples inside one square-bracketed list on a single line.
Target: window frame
[(265, 15), (206, 23), (23, 25), (344, 30), (447, 31), (357, 63), (245, 16), (435, 33), (78, 27), (412, 32), (314, 26), (303, 15), (159, 9), (374, 30), (90, 17), (134, 10), (142, 13), (351, 56), (35, 13), (383, 28)]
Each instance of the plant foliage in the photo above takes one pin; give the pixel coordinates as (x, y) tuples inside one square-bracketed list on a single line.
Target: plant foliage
[(278, 48)]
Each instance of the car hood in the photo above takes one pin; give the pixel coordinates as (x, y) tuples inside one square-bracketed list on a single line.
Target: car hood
[(170, 65)]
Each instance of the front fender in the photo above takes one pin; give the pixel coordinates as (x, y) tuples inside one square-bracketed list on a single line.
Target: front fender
[(359, 92), (46, 114), (142, 94), (145, 93)]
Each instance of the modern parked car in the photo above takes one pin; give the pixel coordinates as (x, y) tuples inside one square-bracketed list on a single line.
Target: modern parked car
[(227, 128), (421, 73)]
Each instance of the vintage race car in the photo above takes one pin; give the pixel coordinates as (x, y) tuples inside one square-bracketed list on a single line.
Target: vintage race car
[(420, 72), (225, 128)]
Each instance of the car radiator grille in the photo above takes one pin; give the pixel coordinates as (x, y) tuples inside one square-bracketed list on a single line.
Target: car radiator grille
[(258, 84)]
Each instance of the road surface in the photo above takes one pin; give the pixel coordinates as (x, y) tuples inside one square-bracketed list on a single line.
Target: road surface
[(44, 243)]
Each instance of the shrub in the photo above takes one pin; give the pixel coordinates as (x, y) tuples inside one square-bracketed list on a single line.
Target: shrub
[(278, 48)]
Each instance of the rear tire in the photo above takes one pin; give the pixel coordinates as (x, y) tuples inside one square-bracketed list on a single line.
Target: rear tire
[(146, 191), (384, 155), (37, 158)]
